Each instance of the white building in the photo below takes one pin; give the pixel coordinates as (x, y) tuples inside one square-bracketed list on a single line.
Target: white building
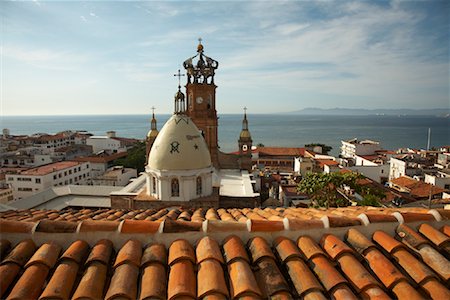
[(351, 148), (179, 165), (441, 179), (115, 176), (35, 180), (105, 143)]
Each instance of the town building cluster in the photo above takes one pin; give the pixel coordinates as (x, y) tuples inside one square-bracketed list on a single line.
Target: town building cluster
[(185, 167)]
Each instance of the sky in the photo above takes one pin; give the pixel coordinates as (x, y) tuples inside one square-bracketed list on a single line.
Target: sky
[(109, 57)]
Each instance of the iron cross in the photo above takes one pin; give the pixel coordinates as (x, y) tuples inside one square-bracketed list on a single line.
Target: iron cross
[(179, 77)]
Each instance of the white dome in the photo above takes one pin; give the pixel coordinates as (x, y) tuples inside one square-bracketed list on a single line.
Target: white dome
[(179, 146)]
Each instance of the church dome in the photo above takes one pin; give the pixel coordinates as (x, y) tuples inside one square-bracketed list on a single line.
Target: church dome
[(179, 146)]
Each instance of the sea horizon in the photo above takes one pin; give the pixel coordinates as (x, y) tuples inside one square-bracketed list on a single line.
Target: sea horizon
[(392, 132)]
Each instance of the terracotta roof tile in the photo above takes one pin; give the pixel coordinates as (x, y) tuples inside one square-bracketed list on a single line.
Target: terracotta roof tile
[(412, 266), (47, 254), (286, 249), (211, 278), (362, 281), (182, 280), (265, 225), (56, 226), (208, 248), (153, 282), (242, 279), (16, 226), (77, 252), (154, 253), (435, 236), (180, 226), (130, 253), (91, 225), (92, 283), (309, 247), (429, 255), (124, 281), (234, 249), (101, 252), (259, 249), (223, 226), (139, 226), (269, 277), (29, 285), (21, 253), (62, 281), (181, 250), (388, 274), (446, 230), (8, 272)]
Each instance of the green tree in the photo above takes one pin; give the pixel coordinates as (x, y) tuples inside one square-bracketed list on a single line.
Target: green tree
[(135, 159), (322, 188), (325, 149)]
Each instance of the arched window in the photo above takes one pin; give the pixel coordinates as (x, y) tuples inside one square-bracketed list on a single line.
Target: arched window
[(199, 185), (175, 187), (153, 185)]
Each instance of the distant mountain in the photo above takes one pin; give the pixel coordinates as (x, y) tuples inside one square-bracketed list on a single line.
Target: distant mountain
[(441, 112)]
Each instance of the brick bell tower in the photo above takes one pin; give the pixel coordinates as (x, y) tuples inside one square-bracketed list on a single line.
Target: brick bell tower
[(201, 98)]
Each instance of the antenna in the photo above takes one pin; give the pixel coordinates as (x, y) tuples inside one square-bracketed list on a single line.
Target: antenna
[(429, 138)]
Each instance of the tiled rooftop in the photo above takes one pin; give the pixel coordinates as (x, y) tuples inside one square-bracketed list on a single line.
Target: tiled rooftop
[(409, 262), (50, 168), (352, 215)]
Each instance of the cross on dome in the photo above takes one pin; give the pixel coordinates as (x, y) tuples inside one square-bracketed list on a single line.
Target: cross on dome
[(179, 75)]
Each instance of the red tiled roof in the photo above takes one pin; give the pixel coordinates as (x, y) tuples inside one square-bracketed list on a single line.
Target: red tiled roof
[(403, 263), (417, 188), (326, 162), (47, 169), (104, 158), (280, 151), (52, 137)]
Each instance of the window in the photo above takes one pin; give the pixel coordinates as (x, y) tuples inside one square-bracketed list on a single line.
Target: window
[(153, 185), (175, 187), (54, 176), (199, 185), (10, 178), (38, 180), (25, 189)]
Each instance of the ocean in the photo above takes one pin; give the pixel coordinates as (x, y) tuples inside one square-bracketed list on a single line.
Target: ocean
[(271, 130)]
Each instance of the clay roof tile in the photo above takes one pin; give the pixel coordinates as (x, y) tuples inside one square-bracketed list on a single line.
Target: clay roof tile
[(269, 277), (47, 254), (409, 236), (182, 280), (242, 280), (77, 251), (386, 241), (130, 253), (309, 247), (181, 250), (101, 252), (92, 283), (30, 284), (435, 236), (211, 278), (91, 225), (171, 226), (446, 230), (154, 253), (12, 226), (139, 226), (234, 249), (124, 281), (286, 248), (259, 248), (265, 225), (358, 241), (62, 281), (208, 248), (8, 272), (334, 246), (153, 282), (21, 253)]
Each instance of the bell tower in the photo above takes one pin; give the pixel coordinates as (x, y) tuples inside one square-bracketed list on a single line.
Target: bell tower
[(245, 145), (152, 134), (201, 98)]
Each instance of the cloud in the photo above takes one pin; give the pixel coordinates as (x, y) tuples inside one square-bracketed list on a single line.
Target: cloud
[(83, 18)]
